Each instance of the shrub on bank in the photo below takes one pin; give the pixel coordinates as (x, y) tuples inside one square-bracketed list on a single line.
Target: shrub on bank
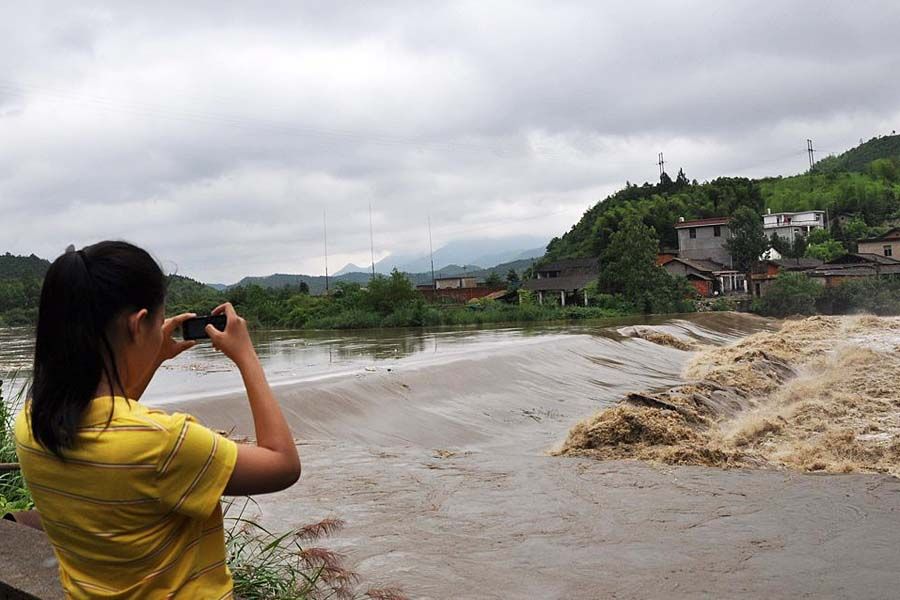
[(878, 295), (789, 294)]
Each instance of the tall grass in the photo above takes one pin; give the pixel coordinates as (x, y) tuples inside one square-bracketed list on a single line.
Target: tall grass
[(287, 566), (14, 494)]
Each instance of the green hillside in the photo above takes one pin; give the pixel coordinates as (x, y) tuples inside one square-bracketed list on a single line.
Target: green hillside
[(859, 158), (659, 206)]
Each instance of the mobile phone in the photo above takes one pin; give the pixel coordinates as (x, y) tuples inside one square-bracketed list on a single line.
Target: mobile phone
[(195, 328)]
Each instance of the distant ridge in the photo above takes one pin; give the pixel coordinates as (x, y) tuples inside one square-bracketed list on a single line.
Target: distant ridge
[(352, 268), (477, 253), (316, 283)]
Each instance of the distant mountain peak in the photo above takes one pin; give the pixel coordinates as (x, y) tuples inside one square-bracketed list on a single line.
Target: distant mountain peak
[(351, 268)]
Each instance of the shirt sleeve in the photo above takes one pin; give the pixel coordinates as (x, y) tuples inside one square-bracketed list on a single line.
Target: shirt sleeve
[(194, 467)]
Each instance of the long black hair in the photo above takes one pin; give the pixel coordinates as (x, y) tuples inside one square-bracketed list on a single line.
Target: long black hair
[(83, 292)]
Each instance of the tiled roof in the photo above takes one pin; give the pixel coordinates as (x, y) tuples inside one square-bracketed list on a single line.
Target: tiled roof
[(796, 264), (703, 222), (590, 262), (703, 265), (862, 258), (857, 270), (568, 283), (891, 234)]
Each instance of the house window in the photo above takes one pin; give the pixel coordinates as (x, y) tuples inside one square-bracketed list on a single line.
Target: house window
[(717, 231), (692, 233), (888, 250)]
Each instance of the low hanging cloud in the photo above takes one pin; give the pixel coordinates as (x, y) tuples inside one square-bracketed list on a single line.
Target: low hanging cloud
[(221, 137)]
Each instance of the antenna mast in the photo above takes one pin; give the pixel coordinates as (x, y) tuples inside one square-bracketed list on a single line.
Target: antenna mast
[(662, 164), (431, 252), (371, 239), (811, 152), (325, 235)]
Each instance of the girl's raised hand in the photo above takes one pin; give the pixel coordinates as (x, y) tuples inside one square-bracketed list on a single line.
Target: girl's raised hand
[(235, 341), (171, 347)]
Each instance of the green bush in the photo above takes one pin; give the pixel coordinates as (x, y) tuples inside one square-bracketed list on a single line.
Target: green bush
[(353, 318), (417, 314), (878, 295), (790, 294), (721, 305)]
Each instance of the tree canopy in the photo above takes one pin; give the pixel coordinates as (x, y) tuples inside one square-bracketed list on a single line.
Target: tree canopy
[(748, 240)]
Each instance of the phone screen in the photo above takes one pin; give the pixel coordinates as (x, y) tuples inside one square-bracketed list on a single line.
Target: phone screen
[(195, 329)]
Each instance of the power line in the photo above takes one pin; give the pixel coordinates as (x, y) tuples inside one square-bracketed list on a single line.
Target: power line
[(325, 238), (431, 252), (372, 240)]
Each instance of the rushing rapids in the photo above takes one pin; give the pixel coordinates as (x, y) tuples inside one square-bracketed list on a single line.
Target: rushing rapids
[(819, 394)]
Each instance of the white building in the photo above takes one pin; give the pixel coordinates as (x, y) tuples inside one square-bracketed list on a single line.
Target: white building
[(789, 225)]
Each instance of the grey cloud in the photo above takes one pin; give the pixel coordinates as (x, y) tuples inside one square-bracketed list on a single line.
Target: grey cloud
[(217, 133)]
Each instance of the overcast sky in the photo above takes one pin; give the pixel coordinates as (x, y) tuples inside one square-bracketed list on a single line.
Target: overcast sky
[(216, 136)]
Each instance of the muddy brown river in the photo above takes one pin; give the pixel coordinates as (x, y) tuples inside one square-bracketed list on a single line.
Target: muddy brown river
[(434, 446)]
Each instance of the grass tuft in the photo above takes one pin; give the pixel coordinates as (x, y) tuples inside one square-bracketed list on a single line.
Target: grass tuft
[(269, 566), (14, 494)]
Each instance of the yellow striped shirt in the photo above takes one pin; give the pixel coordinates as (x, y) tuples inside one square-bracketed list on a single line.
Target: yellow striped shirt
[(134, 511)]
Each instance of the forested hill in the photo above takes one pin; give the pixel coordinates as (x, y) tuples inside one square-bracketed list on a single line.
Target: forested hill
[(660, 206), (17, 267), (842, 185), (859, 159)]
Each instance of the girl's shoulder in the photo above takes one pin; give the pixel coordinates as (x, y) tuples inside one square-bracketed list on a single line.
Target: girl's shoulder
[(22, 424)]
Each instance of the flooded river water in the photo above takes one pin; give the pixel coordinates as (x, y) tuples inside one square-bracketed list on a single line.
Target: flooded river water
[(434, 448)]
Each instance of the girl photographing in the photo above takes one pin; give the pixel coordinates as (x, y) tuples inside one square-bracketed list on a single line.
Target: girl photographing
[(128, 495)]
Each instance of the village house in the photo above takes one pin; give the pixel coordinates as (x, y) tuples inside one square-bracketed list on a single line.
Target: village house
[(708, 277), (766, 271), (704, 239), (564, 279), (703, 257), (790, 225), (885, 245), (459, 289), (854, 266), (457, 282)]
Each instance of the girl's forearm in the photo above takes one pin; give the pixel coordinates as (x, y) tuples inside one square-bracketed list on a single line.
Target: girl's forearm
[(272, 430)]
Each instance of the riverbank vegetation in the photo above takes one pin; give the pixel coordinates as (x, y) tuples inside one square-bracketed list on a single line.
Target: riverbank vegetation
[(289, 566), (14, 494), (796, 294)]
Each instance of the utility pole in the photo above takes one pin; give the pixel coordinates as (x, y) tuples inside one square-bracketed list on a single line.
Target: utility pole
[(372, 240), (431, 252), (325, 236), (811, 152), (662, 164)]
